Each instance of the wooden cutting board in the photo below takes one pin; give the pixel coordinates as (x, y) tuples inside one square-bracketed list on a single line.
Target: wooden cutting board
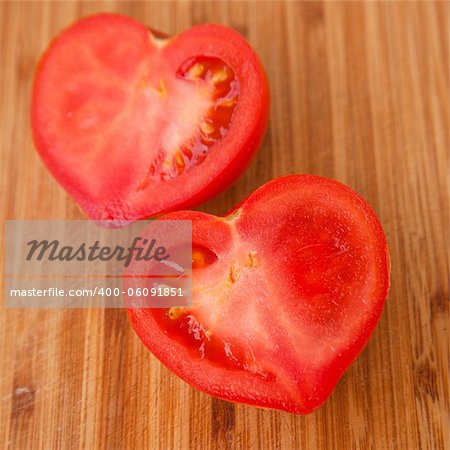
[(360, 93)]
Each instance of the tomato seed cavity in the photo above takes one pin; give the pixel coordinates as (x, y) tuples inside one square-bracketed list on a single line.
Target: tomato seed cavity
[(215, 124), (202, 256), (182, 324)]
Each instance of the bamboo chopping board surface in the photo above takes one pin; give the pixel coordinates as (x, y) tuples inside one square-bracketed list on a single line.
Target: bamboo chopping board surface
[(360, 93)]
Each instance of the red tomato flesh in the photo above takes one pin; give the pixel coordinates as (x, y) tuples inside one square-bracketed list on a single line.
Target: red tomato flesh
[(287, 289), (133, 124)]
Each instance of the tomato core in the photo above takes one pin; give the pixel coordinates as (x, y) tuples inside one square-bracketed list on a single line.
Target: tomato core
[(183, 324)]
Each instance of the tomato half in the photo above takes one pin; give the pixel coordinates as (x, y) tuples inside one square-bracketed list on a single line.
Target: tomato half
[(287, 289), (133, 124)]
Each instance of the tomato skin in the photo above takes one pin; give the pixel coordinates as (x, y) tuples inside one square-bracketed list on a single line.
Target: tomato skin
[(102, 167), (316, 318)]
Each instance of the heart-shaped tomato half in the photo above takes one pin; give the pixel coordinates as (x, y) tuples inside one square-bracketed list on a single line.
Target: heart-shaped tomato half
[(133, 124), (287, 289)]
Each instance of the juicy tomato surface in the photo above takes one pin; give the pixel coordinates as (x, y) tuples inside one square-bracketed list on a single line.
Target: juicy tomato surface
[(287, 289), (133, 124)]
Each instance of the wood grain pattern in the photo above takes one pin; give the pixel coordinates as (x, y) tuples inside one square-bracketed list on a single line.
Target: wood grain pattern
[(360, 93)]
